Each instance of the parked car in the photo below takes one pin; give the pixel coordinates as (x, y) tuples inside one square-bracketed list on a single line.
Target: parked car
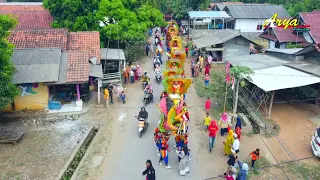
[(315, 142)]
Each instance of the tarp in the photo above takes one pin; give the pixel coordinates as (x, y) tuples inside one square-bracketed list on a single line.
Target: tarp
[(281, 77)]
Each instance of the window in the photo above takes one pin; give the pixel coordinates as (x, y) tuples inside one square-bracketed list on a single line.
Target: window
[(259, 26)]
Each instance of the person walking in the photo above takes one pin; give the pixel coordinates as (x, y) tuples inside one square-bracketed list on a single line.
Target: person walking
[(187, 51), (184, 161), (106, 96), (206, 80), (150, 172), (110, 89), (224, 124), (255, 155), (238, 127), (164, 156), (147, 49), (201, 61), (197, 69), (125, 76), (131, 75), (207, 68), (192, 67), (213, 129), (236, 145), (206, 121), (208, 105), (228, 143)]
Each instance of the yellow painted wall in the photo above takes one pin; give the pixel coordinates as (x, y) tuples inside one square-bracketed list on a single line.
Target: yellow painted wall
[(34, 99)]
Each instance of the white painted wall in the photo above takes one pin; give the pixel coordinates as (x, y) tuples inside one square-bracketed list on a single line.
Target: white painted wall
[(248, 25), (307, 37), (283, 46), (272, 44)]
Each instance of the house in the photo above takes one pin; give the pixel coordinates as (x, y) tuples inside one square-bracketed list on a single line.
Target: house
[(221, 6), (224, 44), (250, 17), (278, 37), (59, 62), (29, 15)]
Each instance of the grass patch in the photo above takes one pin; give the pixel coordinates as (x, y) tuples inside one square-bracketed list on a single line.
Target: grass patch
[(260, 163), (304, 171)]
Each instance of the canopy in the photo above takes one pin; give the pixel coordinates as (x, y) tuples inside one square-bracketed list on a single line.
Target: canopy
[(281, 77), (208, 14)]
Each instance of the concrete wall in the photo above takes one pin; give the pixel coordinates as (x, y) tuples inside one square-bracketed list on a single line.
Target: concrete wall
[(32, 97), (272, 44), (249, 25), (236, 47)]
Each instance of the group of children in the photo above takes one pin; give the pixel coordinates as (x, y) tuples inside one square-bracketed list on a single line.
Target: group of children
[(133, 73)]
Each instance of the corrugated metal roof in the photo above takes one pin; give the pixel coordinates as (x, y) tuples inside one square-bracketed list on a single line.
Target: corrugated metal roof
[(208, 14), (36, 65), (63, 70), (285, 51), (113, 54), (217, 37), (308, 67), (256, 61), (281, 77), (255, 11), (96, 70)]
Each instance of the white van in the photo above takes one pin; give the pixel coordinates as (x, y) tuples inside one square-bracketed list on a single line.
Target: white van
[(315, 143)]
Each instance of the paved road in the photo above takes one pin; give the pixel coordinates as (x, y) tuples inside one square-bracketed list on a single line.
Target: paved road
[(129, 152)]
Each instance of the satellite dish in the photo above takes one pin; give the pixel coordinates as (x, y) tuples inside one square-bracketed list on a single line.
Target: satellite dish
[(93, 60)]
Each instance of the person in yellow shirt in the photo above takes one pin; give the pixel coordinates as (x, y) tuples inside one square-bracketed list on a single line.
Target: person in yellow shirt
[(207, 120), (106, 96), (201, 61)]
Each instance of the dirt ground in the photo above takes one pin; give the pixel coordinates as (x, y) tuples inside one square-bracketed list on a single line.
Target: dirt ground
[(296, 129), (43, 150)]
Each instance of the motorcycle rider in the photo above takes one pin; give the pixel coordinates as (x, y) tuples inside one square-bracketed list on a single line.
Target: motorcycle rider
[(158, 69), (143, 114), (159, 54), (149, 90), (145, 78)]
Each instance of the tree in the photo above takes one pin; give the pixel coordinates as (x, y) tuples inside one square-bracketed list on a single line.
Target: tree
[(128, 21), (7, 89), (239, 73), (76, 15)]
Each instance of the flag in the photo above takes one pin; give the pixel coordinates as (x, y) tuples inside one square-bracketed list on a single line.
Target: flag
[(228, 72), (232, 86)]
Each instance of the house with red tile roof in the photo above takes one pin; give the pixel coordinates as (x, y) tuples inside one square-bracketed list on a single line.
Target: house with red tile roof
[(72, 52), (29, 15)]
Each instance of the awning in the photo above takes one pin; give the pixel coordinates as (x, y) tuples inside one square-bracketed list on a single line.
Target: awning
[(281, 77), (208, 14), (96, 71)]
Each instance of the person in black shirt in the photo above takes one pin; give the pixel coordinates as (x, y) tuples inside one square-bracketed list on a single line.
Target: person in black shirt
[(110, 89), (150, 172)]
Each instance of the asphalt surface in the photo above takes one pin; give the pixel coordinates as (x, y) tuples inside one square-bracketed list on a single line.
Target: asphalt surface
[(128, 155)]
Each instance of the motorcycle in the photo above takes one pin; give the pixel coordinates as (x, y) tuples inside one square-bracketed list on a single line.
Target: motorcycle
[(84, 95), (158, 77), (156, 62), (147, 98), (142, 125)]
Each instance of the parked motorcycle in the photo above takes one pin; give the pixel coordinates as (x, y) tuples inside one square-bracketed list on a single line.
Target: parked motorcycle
[(84, 95), (142, 125), (158, 77)]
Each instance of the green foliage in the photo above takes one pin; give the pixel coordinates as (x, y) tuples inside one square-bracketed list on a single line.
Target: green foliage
[(76, 15), (293, 45), (180, 8), (133, 49), (240, 72), (7, 89)]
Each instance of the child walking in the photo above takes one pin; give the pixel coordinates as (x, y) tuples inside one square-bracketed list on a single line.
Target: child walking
[(255, 155), (208, 105), (207, 120), (206, 80)]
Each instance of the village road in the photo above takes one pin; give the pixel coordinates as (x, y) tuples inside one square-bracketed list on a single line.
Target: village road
[(128, 154)]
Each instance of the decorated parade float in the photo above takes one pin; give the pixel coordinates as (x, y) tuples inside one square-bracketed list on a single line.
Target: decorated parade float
[(174, 116)]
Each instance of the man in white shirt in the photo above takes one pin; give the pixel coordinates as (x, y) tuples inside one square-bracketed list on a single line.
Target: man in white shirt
[(209, 59), (235, 145)]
